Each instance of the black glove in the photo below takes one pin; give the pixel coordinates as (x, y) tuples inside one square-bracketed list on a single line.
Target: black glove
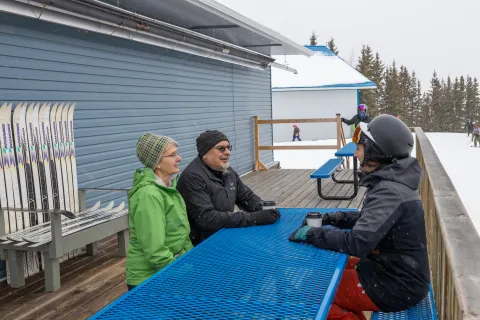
[(343, 119), (300, 235), (263, 217)]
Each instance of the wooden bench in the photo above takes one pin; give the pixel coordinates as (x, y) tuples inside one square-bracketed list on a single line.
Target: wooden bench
[(425, 310), (43, 214), (57, 237), (326, 171)]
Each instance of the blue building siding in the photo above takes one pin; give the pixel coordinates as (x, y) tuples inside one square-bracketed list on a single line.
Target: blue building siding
[(122, 89)]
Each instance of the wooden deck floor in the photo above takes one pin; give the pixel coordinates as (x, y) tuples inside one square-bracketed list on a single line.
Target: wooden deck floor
[(91, 282), (295, 189)]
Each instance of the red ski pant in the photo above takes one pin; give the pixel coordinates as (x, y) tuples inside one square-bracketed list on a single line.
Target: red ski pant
[(350, 300)]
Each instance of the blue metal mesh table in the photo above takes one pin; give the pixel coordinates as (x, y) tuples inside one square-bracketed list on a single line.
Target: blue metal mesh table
[(245, 273)]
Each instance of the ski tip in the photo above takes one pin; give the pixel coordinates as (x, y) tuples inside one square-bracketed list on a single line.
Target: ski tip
[(68, 214)]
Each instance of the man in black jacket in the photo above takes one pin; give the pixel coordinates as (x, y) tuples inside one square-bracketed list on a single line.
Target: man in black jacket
[(211, 189), (392, 271)]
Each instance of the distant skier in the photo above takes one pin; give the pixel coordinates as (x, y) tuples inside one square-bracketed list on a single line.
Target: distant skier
[(476, 135), (361, 116), (469, 126), (296, 133)]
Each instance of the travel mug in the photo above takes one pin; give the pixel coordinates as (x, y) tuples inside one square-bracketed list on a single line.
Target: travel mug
[(314, 219), (269, 205)]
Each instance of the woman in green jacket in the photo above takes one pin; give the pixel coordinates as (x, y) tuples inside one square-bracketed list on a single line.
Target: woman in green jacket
[(159, 229)]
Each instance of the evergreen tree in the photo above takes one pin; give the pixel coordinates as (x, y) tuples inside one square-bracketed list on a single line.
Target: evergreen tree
[(456, 105), (404, 83), (425, 112), (365, 67), (435, 98), (444, 107), (413, 101), (391, 98), (470, 99), (313, 39), (377, 76), (418, 104), (444, 117), (331, 45), (464, 96), (476, 99)]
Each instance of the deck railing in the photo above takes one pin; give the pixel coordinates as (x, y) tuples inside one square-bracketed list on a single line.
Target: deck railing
[(453, 242), (340, 137)]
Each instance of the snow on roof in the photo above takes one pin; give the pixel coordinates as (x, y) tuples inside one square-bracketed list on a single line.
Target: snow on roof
[(322, 71)]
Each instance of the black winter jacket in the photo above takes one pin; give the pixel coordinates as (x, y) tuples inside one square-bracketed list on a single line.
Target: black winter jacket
[(211, 197), (356, 120), (388, 236)]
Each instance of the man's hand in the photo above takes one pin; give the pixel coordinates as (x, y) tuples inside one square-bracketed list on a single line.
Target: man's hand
[(263, 217)]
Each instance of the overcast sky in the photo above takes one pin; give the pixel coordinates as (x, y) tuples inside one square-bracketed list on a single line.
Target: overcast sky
[(424, 35)]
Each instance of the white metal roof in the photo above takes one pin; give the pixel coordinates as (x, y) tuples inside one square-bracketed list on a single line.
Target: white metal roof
[(215, 20), (322, 71)]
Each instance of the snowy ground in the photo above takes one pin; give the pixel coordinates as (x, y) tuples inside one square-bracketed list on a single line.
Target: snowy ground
[(305, 159), (461, 162)]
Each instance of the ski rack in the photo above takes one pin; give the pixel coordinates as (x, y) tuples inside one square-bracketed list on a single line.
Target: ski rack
[(44, 215)]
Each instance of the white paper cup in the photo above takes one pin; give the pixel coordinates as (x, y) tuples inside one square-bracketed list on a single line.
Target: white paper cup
[(314, 219), (269, 205)]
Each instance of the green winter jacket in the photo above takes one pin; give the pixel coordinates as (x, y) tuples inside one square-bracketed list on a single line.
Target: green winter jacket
[(159, 228)]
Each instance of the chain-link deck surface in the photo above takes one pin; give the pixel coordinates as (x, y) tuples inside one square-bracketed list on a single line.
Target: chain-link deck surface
[(245, 273), (425, 310)]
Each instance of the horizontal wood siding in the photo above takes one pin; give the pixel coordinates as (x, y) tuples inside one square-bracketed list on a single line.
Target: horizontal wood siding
[(122, 89)]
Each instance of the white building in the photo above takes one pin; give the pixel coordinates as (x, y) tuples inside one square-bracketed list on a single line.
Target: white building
[(324, 86)]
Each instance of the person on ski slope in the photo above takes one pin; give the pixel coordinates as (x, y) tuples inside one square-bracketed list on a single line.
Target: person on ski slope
[(159, 228), (211, 189), (469, 126), (388, 269), (476, 134), (361, 116), (296, 133)]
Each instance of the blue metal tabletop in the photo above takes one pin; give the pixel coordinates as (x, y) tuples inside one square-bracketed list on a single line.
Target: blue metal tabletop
[(244, 273), (346, 151)]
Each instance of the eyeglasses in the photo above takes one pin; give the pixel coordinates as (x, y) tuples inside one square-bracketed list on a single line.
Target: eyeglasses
[(173, 155), (357, 134), (222, 149)]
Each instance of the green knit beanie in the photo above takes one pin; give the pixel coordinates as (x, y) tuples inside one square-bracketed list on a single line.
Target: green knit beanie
[(150, 148)]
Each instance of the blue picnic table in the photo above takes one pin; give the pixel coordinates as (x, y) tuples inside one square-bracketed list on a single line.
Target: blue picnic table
[(244, 273), (347, 151)]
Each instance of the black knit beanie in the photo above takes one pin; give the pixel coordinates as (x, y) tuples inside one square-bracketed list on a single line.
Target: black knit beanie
[(209, 139)]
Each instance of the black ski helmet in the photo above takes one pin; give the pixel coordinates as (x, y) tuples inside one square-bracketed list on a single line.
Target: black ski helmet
[(386, 139)]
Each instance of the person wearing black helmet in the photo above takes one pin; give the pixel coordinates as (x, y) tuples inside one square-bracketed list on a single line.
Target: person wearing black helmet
[(391, 269), (361, 116)]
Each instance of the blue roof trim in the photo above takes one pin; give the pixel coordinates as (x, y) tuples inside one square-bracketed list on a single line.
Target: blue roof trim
[(321, 49), (369, 84)]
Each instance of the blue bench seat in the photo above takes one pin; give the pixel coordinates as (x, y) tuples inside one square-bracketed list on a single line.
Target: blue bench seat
[(425, 310), (326, 171)]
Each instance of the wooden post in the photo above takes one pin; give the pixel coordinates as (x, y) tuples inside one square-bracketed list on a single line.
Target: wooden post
[(344, 143), (256, 143), (258, 164), (339, 132)]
